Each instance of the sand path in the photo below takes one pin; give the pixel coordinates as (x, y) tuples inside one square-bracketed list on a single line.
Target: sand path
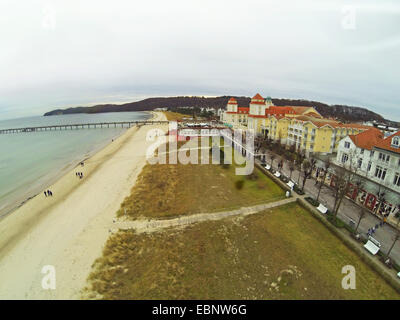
[(155, 225), (69, 230)]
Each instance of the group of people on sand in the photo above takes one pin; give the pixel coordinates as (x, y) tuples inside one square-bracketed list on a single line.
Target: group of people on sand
[(48, 193), (79, 174)]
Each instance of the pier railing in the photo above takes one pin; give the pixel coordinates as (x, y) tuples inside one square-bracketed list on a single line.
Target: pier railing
[(94, 125)]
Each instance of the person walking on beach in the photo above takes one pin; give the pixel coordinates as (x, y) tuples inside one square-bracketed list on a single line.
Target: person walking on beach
[(45, 194)]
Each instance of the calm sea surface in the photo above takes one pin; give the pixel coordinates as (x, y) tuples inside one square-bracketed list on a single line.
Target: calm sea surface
[(31, 161)]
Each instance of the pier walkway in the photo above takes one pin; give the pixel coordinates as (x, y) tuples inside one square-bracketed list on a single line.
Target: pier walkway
[(94, 125)]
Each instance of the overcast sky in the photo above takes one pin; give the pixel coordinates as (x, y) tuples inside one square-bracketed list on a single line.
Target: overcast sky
[(66, 53)]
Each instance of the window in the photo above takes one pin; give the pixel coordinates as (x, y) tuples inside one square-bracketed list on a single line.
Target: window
[(347, 145), (372, 153), (345, 157), (396, 180), (369, 166), (395, 142), (383, 157), (380, 173), (362, 151), (360, 163)]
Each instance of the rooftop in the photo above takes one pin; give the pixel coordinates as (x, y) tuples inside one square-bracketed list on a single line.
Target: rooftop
[(367, 139)]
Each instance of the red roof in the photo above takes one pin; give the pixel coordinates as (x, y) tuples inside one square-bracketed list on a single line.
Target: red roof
[(387, 143), (279, 111), (256, 116), (232, 101), (367, 139), (257, 99)]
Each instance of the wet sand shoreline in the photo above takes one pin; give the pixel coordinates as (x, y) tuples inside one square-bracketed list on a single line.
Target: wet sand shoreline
[(68, 230)]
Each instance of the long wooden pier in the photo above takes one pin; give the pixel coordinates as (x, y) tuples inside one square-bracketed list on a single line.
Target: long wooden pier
[(120, 124)]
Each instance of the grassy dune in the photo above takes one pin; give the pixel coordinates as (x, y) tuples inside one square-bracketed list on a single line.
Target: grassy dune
[(165, 190), (283, 253), (175, 116)]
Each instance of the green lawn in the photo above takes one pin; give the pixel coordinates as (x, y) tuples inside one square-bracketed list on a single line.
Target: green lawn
[(283, 253)]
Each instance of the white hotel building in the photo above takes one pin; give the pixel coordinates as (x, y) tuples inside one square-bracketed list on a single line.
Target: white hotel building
[(373, 156)]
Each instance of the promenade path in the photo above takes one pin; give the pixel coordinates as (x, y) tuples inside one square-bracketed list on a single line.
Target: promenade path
[(154, 225)]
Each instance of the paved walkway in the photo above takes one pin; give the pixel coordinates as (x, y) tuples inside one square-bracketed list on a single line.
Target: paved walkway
[(153, 225)]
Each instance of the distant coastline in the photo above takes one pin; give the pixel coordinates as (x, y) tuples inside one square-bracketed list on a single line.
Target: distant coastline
[(340, 112)]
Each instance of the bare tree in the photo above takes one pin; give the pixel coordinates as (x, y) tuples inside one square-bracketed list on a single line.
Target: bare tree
[(327, 165), (344, 177), (397, 215), (361, 215), (272, 157), (291, 166), (395, 238), (306, 168), (298, 166), (342, 181)]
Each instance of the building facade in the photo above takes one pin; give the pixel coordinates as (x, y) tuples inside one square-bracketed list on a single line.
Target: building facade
[(373, 156), (301, 126)]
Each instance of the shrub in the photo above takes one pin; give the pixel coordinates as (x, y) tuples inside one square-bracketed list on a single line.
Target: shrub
[(314, 202), (239, 184), (298, 190), (396, 266), (338, 223)]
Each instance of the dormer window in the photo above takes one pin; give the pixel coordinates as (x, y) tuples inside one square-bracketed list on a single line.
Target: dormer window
[(396, 142)]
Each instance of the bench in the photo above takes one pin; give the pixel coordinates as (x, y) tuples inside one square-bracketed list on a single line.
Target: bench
[(290, 184), (321, 208), (277, 174), (372, 246)]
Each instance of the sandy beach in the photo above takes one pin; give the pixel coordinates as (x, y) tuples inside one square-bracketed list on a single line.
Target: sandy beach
[(68, 230)]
